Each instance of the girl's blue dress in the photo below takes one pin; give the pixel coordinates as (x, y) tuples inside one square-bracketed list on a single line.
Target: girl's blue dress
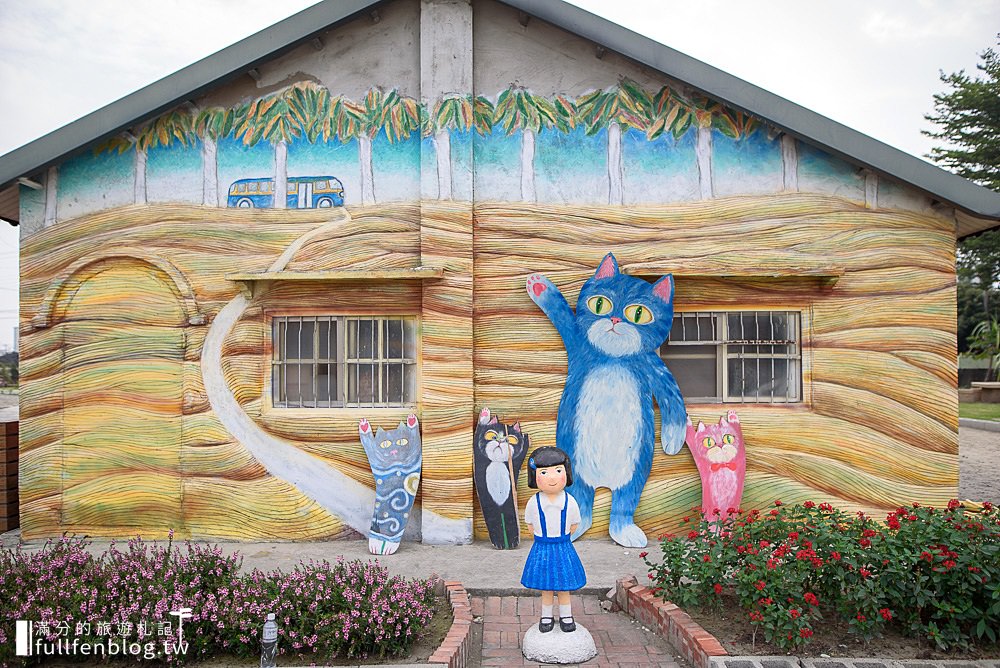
[(553, 564)]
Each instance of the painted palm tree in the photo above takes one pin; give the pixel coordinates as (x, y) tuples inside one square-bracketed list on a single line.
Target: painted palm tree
[(396, 115), (456, 112), (272, 118), (211, 125), (708, 114), (161, 131), (618, 109), (517, 109)]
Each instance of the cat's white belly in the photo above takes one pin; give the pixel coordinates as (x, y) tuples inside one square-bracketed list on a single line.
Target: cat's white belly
[(607, 428)]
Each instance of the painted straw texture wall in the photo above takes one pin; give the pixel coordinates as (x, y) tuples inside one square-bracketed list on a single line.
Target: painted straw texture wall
[(117, 431), (879, 423)]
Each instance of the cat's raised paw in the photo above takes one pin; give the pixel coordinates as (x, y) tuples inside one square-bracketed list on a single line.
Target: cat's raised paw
[(411, 421), (364, 427), (537, 284)]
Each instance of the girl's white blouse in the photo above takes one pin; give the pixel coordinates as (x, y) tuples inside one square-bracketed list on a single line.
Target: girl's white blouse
[(553, 513)]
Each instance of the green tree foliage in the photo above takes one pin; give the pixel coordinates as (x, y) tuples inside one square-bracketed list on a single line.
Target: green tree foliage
[(968, 120)]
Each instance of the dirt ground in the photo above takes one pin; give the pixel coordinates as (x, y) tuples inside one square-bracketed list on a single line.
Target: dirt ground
[(979, 463)]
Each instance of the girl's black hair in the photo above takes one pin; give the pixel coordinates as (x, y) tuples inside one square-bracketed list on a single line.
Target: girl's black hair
[(548, 456)]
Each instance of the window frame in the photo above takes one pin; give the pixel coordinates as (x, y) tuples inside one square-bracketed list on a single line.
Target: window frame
[(340, 361), (721, 340)]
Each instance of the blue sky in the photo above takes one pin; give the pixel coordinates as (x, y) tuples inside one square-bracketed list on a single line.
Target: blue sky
[(871, 66)]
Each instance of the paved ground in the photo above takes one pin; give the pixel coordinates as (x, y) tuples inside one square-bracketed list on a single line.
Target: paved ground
[(979, 465), (620, 640)]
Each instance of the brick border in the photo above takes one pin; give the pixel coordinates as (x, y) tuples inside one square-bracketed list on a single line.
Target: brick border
[(696, 644), (454, 650)]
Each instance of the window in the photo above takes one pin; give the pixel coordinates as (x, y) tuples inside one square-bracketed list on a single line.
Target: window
[(337, 361), (742, 356)]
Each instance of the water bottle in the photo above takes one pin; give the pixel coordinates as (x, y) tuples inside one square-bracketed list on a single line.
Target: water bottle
[(269, 646)]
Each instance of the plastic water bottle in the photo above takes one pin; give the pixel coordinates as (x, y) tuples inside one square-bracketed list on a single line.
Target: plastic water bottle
[(269, 646)]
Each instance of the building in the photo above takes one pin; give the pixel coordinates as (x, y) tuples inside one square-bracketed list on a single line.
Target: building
[(334, 219)]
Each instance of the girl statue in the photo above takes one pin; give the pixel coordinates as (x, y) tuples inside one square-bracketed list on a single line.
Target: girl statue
[(552, 515)]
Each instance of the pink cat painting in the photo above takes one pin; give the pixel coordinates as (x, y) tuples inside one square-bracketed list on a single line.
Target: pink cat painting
[(722, 463)]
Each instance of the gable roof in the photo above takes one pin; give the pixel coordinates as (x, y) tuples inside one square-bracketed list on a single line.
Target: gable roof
[(975, 201)]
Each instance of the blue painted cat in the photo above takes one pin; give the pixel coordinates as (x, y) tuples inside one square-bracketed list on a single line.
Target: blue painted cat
[(395, 456), (605, 419)]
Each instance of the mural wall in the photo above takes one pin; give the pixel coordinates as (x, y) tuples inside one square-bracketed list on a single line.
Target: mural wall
[(147, 395)]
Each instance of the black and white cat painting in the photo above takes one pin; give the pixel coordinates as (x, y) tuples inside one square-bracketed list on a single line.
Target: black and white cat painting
[(498, 453)]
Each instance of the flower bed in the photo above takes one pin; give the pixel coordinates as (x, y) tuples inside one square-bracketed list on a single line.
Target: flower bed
[(930, 573), (323, 610)]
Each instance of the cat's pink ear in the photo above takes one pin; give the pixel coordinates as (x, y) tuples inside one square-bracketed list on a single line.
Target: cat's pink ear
[(664, 288), (608, 268), (701, 427), (517, 426)]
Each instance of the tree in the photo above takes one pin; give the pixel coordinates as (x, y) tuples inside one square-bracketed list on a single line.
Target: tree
[(272, 118), (391, 112), (211, 125), (453, 112), (517, 109), (968, 120), (618, 109), (161, 131)]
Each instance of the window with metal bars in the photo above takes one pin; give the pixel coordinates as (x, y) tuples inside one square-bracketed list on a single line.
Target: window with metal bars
[(737, 356), (343, 361)]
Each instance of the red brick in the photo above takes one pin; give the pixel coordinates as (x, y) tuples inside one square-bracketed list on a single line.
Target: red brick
[(508, 606), (478, 606), (493, 605)]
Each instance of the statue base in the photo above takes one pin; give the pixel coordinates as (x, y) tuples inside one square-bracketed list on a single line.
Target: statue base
[(558, 647)]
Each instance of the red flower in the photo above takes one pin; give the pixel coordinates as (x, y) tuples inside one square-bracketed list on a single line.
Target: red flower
[(760, 585), (773, 513), (718, 588), (692, 535), (886, 614), (912, 518), (864, 542), (766, 601), (868, 533), (949, 564), (805, 633), (794, 613), (954, 504), (772, 564), (893, 522), (835, 556), (777, 502), (974, 569), (650, 576), (826, 507), (643, 555), (793, 535), (809, 504), (810, 598), (927, 556), (861, 617), (865, 573), (706, 558), (987, 505), (756, 616), (765, 543)]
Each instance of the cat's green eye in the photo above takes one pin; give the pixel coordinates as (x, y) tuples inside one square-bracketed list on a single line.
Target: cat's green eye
[(600, 305), (638, 314), (403, 441), (728, 439), (385, 444), (708, 442)]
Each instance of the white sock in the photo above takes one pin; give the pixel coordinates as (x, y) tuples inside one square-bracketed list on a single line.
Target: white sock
[(546, 610), (565, 610)]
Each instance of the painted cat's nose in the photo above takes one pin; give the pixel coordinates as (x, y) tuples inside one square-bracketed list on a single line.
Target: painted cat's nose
[(615, 321)]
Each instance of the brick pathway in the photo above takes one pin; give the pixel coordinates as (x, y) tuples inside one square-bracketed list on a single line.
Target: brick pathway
[(621, 642)]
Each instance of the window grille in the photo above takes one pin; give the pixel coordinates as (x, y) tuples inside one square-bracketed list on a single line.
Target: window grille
[(340, 361), (736, 357)]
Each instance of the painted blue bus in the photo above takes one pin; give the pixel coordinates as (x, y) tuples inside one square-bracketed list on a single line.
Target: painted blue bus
[(304, 192)]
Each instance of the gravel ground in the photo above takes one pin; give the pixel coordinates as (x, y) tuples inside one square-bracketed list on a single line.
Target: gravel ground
[(979, 465)]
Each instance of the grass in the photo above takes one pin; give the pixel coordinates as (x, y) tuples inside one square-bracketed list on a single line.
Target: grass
[(979, 411)]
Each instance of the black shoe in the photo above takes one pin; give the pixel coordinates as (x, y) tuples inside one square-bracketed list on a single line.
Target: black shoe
[(567, 626), (546, 626)]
